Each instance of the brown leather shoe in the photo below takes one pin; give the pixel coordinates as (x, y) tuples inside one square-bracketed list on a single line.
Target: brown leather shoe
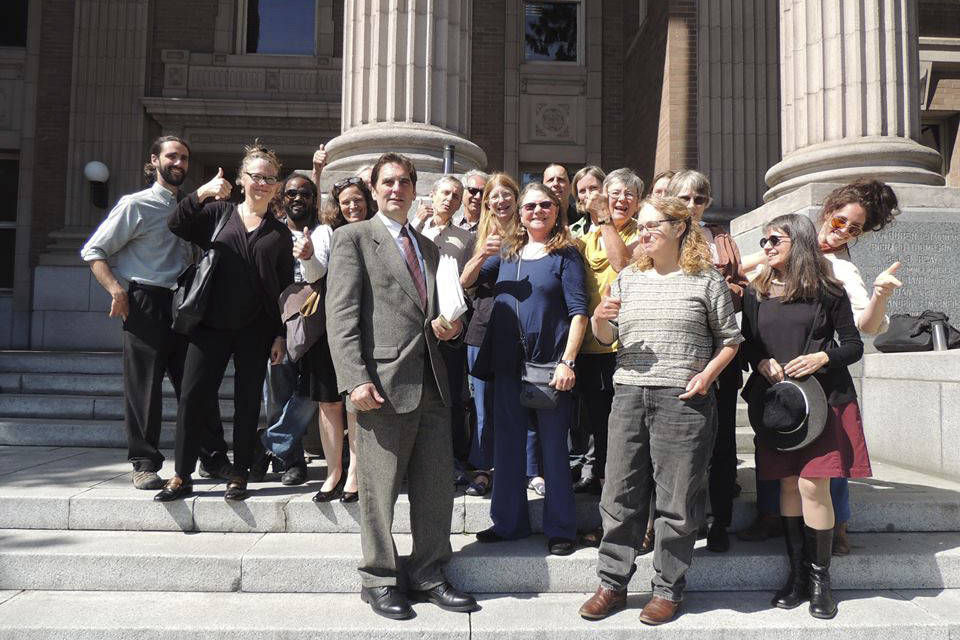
[(841, 545), (602, 603), (765, 526), (658, 611)]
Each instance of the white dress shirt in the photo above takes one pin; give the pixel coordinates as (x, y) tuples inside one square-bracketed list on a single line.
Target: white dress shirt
[(394, 228)]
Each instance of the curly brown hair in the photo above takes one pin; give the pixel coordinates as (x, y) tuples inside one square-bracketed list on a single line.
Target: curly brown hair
[(876, 198), (694, 250)]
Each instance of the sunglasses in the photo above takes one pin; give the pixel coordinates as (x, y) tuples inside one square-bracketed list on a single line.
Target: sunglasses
[(530, 207), (697, 200), (474, 191), (303, 193), (839, 223), (347, 182), (773, 241)]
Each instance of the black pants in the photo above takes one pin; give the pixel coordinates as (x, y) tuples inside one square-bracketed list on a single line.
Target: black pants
[(208, 353), (455, 360), (150, 350), (723, 463), (595, 388)]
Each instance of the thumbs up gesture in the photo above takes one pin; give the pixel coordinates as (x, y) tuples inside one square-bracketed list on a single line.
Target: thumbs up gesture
[(319, 159), (609, 307), (218, 188), (886, 283)]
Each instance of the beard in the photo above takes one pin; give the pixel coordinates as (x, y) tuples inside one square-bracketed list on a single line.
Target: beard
[(174, 179), (300, 217)]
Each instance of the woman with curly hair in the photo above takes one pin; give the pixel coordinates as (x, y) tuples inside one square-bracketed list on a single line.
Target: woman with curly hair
[(540, 301), (672, 314)]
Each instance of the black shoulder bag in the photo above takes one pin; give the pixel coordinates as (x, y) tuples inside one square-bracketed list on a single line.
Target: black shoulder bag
[(193, 285), (535, 377)]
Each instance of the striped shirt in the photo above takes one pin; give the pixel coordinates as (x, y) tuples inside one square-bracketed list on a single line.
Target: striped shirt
[(671, 325)]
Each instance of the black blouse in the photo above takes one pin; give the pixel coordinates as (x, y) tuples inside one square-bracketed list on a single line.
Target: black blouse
[(775, 329), (254, 266)]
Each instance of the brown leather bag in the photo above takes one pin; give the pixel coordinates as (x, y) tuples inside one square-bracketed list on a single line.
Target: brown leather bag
[(302, 311)]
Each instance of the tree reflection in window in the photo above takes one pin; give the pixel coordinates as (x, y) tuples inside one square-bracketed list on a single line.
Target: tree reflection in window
[(281, 27), (550, 32)]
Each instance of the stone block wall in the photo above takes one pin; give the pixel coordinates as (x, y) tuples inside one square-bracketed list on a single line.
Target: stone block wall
[(178, 24), (487, 75), (617, 31), (70, 311), (939, 18)]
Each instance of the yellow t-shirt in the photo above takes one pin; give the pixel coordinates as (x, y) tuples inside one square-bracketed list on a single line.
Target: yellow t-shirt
[(599, 274)]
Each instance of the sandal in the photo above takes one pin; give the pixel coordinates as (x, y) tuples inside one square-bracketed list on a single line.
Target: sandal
[(537, 485), (480, 485)]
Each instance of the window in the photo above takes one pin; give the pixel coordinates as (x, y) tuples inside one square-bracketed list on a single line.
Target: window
[(286, 27), (13, 27), (551, 31), (9, 179)]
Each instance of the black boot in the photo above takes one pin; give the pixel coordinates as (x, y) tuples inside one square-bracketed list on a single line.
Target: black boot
[(797, 588), (819, 549)]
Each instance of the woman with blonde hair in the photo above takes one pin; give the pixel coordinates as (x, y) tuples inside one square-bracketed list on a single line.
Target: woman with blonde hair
[(540, 303), (672, 315)]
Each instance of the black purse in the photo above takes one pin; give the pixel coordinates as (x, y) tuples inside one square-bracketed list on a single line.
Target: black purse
[(193, 285), (915, 333), (535, 377)]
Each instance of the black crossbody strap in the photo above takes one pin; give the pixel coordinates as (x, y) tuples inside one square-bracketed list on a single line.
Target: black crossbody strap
[(813, 325), (523, 339)]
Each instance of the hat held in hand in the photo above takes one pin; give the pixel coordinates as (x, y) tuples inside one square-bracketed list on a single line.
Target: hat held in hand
[(790, 414)]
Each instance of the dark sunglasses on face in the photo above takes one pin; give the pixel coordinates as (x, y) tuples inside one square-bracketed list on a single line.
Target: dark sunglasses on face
[(303, 193), (697, 200), (773, 240), (530, 207), (474, 191)]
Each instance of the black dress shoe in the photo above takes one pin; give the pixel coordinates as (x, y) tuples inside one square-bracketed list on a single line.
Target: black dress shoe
[(350, 496), (561, 546), (489, 535), (387, 602), (329, 496), (717, 539), (174, 489), (446, 597), (218, 466), (258, 470), (294, 475), (236, 489), (588, 485)]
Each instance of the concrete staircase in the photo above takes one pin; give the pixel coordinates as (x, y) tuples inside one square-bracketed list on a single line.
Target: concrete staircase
[(84, 555)]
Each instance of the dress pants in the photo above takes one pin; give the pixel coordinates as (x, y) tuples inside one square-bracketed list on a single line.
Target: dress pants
[(415, 445), (150, 350), (595, 388), (455, 359), (508, 507), (650, 428), (723, 463), (207, 356)]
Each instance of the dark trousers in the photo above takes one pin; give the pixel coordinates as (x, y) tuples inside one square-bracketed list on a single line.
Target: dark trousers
[(723, 463), (151, 349), (595, 388), (455, 359), (208, 353)]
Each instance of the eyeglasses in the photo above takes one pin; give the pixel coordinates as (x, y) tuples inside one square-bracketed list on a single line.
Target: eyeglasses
[(303, 193), (697, 200), (654, 225), (839, 223), (773, 241), (259, 178), (530, 207), (627, 195), (474, 191)]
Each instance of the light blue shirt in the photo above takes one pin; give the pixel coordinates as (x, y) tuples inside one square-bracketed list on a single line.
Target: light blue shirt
[(394, 228)]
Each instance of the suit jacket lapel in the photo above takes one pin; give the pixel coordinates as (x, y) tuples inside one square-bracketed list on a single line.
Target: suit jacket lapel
[(389, 253)]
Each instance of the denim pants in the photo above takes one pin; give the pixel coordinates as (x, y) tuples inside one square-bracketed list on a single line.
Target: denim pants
[(652, 433), (288, 413), (768, 498), (481, 440)]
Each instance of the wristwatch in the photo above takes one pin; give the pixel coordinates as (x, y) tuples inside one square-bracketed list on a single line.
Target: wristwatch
[(569, 363)]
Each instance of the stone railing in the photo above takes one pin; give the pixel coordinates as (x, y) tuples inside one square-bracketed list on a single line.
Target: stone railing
[(252, 76)]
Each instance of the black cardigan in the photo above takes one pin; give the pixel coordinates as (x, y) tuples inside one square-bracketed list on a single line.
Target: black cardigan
[(253, 270), (836, 317)]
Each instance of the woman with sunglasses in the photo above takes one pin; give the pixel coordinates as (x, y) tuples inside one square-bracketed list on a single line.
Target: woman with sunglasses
[(242, 319), (541, 302), (672, 315), (795, 303), (848, 212), (693, 188)]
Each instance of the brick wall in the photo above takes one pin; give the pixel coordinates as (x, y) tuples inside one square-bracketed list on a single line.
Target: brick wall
[(939, 18), (52, 122), (178, 24), (613, 45), (486, 98)]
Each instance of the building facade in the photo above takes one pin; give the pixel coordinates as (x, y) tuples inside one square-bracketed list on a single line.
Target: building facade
[(755, 93)]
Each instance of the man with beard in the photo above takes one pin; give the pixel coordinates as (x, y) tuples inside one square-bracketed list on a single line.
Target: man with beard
[(150, 258)]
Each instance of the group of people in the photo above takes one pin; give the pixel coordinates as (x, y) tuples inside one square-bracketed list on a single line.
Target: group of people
[(627, 300)]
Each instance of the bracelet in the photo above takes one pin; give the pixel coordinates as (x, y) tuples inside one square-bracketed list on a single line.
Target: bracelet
[(569, 363)]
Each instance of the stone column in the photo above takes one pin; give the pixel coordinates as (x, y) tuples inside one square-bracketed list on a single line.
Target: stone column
[(406, 85), (849, 95)]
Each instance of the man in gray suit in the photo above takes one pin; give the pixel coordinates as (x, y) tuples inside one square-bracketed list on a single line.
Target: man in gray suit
[(385, 339)]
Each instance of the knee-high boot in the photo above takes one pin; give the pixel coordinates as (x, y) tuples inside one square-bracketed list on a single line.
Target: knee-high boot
[(819, 548), (796, 590)]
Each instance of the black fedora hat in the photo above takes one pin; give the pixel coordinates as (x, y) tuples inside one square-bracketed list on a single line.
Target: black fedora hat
[(788, 415)]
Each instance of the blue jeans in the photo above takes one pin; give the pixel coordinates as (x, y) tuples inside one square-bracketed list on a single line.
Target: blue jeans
[(481, 441), (288, 414), (768, 498)]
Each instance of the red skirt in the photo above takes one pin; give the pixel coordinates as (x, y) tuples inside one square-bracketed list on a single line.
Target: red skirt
[(839, 452)]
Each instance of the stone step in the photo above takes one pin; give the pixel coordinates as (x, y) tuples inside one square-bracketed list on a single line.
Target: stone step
[(66, 432), (83, 407), (13, 361), (112, 615), (327, 562), (82, 384)]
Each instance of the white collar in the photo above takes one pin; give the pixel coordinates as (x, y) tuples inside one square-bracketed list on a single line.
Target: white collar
[(392, 225)]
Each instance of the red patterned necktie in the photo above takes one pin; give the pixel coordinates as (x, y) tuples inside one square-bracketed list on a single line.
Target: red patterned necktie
[(413, 265)]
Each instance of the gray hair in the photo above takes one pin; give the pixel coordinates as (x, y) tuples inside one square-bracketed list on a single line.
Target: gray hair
[(447, 178), (475, 173), (699, 183), (626, 177)]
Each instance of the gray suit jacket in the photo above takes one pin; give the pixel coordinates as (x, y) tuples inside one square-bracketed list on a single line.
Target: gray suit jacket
[(377, 331)]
